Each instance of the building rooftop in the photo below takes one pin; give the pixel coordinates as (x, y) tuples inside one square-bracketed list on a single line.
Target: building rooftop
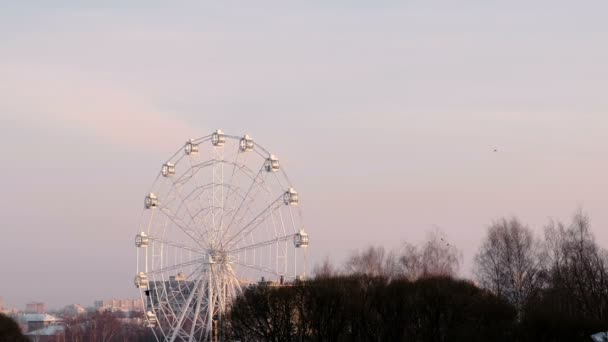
[(40, 318), (51, 330)]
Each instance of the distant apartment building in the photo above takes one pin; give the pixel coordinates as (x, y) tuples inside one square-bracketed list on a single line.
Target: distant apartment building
[(116, 305), (35, 308), (1, 304), (74, 310)]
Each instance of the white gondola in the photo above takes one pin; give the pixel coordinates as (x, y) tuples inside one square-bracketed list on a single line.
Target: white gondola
[(151, 201), (218, 138), (141, 281), (151, 319), (291, 197), (301, 239), (191, 148), (272, 164), (141, 240), (168, 169), (246, 143)]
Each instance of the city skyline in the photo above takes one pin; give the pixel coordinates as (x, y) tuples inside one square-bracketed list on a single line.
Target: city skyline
[(393, 120)]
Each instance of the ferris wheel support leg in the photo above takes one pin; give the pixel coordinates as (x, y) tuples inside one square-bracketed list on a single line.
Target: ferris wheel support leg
[(185, 311), (210, 303), (199, 300)]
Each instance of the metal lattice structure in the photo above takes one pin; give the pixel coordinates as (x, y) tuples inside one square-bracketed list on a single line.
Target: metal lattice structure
[(221, 215)]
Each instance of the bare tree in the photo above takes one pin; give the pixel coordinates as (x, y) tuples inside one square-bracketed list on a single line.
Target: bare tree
[(577, 266), (439, 257), (436, 257), (324, 270), (405, 263), (509, 262), (370, 262)]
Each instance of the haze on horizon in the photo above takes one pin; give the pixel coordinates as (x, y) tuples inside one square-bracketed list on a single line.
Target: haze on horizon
[(385, 115)]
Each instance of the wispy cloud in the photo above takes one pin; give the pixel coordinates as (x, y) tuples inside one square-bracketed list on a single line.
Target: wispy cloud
[(82, 101)]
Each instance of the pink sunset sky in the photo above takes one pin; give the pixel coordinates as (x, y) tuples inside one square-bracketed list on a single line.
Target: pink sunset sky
[(385, 114)]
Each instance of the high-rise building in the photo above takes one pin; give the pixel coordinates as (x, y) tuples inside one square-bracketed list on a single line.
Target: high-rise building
[(35, 308)]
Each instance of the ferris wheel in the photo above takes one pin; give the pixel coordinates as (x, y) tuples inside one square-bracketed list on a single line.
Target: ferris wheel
[(221, 215)]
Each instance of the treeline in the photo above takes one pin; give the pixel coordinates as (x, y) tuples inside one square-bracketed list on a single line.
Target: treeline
[(90, 327), (372, 308), (525, 288), (558, 283), (10, 331)]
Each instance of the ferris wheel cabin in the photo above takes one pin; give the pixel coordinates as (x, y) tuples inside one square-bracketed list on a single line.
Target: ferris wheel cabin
[(246, 143), (291, 197), (141, 281), (191, 148), (272, 164), (151, 319), (300, 239), (218, 138), (151, 201), (141, 240), (168, 169)]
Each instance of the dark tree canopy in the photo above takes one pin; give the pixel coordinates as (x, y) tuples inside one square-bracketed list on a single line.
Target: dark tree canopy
[(10, 331), (371, 308)]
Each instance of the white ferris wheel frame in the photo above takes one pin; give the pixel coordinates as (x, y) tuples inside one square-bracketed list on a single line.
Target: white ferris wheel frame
[(197, 235)]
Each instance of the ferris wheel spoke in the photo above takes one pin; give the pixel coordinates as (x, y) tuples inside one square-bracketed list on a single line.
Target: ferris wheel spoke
[(261, 244), (177, 186), (228, 193), (178, 245), (238, 209), (217, 182), (184, 229), (278, 179), (262, 215), (183, 203), (260, 188), (258, 222), (197, 190), (252, 228), (176, 266), (256, 186), (249, 198), (186, 176)]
